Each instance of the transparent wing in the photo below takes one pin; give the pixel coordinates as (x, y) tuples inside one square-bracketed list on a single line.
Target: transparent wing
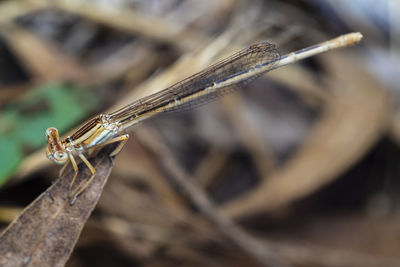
[(195, 90)]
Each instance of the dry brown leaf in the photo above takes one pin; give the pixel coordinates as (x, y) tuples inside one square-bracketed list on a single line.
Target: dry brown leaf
[(48, 229)]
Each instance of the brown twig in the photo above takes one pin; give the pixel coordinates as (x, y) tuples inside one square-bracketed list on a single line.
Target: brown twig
[(260, 251), (269, 253)]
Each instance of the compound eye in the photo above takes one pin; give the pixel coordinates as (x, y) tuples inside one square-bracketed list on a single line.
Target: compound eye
[(60, 156)]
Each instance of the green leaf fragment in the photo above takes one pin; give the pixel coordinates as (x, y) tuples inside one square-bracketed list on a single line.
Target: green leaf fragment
[(23, 123)]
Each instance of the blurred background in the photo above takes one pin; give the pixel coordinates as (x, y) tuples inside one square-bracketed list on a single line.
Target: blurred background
[(306, 157)]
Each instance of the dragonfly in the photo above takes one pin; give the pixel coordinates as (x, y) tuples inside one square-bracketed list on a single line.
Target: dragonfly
[(211, 83)]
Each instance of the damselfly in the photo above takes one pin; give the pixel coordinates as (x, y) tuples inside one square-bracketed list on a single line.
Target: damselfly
[(216, 80)]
